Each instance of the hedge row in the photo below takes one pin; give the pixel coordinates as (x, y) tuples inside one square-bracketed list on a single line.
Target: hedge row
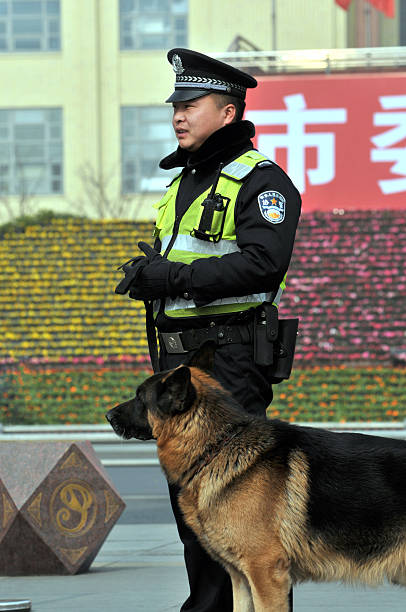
[(82, 394)]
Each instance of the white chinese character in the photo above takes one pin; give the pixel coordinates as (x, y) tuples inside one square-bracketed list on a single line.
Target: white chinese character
[(382, 141), (296, 140)]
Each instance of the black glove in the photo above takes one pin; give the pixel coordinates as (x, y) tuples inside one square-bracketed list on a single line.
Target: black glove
[(159, 278), (132, 270)]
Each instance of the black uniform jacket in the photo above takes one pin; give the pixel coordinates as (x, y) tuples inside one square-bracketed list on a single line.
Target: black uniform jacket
[(265, 247)]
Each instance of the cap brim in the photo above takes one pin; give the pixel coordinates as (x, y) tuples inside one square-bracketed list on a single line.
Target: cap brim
[(182, 95)]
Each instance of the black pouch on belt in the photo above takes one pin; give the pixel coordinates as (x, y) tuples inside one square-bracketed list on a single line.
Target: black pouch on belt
[(274, 341), (265, 333), (284, 350)]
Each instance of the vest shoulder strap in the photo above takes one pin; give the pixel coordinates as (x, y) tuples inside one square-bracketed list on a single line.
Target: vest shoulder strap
[(173, 185), (241, 167)]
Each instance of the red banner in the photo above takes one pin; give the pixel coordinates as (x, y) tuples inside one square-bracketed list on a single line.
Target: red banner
[(344, 3), (341, 138), (386, 6)]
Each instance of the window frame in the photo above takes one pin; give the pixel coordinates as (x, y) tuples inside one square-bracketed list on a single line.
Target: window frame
[(130, 19), (13, 182), (46, 18), (134, 136)]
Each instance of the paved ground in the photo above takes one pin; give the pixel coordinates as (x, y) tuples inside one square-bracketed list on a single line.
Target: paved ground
[(140, 569)]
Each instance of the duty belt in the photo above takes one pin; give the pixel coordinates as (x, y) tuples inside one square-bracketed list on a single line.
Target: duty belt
[(190, 339)]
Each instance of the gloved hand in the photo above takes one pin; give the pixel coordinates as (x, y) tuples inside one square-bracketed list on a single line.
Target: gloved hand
[(154, 280), (132, 270)]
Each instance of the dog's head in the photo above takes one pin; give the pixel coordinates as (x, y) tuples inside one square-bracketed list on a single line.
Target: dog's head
[(161, 396)]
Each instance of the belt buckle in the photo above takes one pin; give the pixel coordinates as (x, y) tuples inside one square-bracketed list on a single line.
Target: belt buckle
[(173, 342)]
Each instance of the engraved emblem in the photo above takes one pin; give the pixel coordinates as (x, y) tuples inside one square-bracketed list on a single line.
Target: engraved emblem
[(73, 555), (34, 510), (177, 64), (73, 508), (72, 461), (111, 505), (7, 511)]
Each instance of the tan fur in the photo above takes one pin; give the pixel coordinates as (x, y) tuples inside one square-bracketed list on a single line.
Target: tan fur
[(312, 559), (251, 513), (262, 541)]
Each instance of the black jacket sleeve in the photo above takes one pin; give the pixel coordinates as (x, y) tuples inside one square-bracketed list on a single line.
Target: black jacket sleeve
[(265, 247)]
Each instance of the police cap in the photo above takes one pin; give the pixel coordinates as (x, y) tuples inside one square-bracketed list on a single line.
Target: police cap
[(198, 75)]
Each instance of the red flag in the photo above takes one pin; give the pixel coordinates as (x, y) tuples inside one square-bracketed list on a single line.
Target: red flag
[(386, 6), (344, 3)]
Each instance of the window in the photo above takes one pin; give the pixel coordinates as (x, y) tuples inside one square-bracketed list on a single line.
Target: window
[(153, 24), (30, 151), (147, 136), (30, 25)]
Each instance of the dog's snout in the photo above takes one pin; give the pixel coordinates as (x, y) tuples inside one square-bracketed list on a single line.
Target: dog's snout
[(128, 420)]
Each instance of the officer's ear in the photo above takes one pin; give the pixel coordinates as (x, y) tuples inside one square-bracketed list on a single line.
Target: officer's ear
[(230, 113)]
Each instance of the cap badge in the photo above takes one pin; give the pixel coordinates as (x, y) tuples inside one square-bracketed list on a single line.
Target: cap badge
[(177, 64)]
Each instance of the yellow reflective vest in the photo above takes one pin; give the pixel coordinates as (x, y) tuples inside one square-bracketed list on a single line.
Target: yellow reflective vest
[(184, 247)]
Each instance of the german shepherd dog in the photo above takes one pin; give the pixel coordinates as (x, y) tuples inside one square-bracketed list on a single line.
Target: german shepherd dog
[(275, 503)]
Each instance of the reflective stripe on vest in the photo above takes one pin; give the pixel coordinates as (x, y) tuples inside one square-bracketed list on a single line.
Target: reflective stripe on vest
[(201, 247), (187, 248), (244, 302)]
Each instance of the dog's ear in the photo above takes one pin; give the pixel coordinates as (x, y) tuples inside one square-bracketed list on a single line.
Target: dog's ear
[(203, 358), (176, 393)]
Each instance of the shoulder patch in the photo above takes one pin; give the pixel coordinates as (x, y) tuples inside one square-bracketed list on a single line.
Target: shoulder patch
[(272, 206)]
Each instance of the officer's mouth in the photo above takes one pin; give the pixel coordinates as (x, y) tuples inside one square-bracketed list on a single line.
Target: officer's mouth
[(180, 133)]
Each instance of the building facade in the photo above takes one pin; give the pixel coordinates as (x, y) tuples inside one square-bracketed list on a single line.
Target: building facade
[(83, 122)]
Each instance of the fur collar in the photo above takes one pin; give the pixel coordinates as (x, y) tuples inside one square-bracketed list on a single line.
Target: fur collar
[(233, 138)]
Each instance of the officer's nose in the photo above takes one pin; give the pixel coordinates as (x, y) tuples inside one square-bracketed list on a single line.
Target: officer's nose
[(178, 116)]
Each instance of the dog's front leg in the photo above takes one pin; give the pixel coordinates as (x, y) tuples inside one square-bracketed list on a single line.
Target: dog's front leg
[(242, 599), (270, 583)]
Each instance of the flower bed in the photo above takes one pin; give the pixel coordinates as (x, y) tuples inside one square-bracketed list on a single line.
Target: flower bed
[(69, 393), (346, 282), (65, 394), (71, 348), (342, 394), (57, 291)]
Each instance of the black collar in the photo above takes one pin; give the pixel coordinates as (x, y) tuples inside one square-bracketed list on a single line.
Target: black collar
[(222, 145)]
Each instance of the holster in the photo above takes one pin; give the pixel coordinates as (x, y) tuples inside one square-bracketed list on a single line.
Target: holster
[(274, 342)]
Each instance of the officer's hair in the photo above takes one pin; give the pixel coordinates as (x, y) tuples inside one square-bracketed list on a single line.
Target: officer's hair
[(224, 99)]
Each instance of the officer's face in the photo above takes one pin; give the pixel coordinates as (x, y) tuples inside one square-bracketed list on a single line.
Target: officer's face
[(194, 120)]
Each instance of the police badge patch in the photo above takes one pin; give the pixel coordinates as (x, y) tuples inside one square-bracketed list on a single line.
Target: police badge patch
[(272, 206)]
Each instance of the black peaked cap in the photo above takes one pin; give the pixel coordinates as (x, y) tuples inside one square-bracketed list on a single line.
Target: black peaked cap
[(198, 75)]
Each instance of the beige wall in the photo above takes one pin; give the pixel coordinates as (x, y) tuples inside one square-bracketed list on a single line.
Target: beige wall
[(300, 24), (90, 79)]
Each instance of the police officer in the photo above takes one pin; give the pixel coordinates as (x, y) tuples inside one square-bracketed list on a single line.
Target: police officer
[(224, 236)]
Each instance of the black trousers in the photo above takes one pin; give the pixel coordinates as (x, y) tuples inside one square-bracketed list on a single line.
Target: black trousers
[(210, 584)]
